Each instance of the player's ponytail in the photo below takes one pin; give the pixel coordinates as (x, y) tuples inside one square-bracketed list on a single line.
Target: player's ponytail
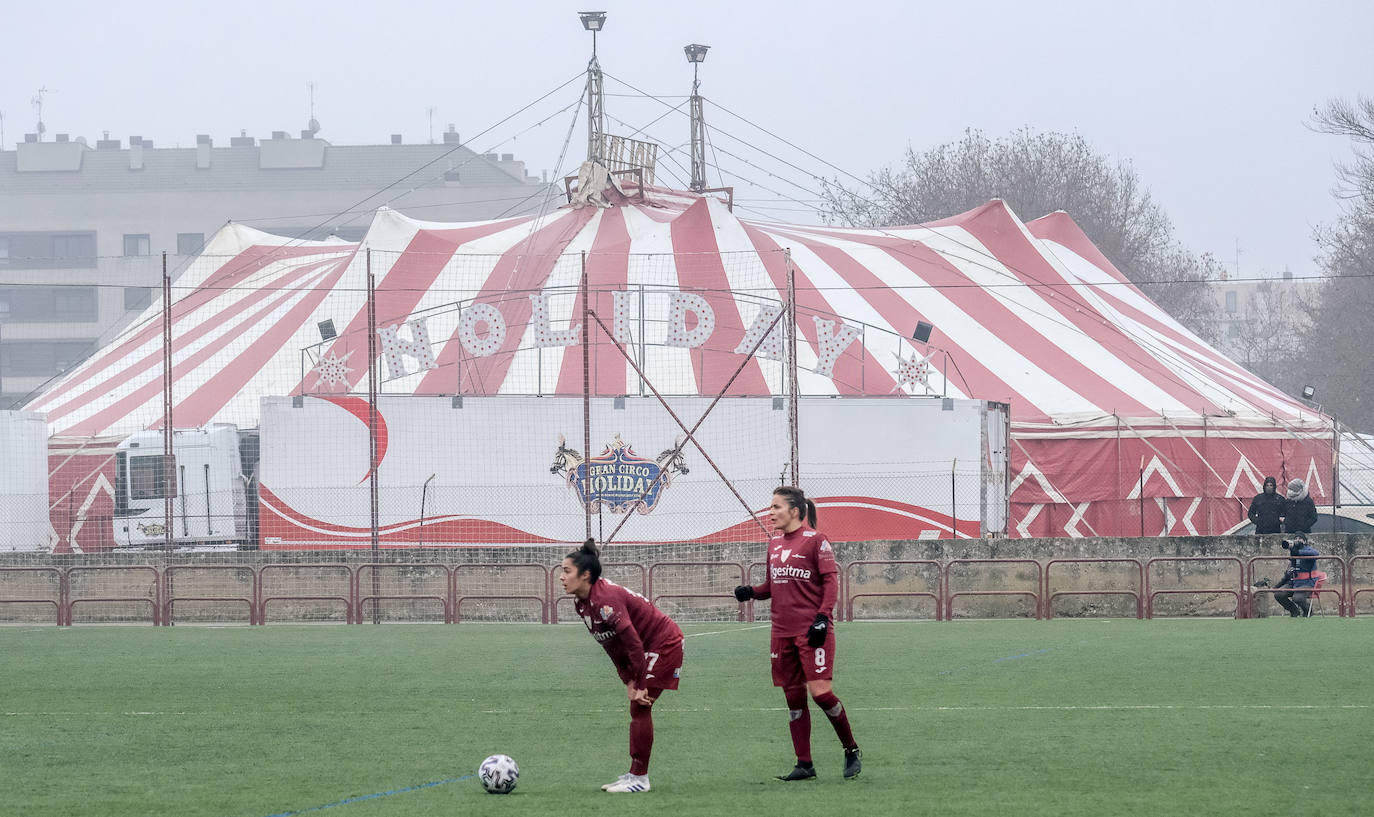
[(587, 559), (796, 499)]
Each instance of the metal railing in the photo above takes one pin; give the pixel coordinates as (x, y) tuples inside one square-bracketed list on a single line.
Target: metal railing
[(1137, 594), (437, 591)]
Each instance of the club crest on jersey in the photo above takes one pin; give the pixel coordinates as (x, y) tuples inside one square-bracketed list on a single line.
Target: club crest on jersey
[(785, 554), (618, 477), (606, 612)]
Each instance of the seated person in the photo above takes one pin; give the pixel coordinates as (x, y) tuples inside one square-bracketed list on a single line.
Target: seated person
[(1301, 576)]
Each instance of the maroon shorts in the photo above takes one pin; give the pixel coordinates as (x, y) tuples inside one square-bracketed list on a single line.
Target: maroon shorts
[(661, 668), (795, 662)]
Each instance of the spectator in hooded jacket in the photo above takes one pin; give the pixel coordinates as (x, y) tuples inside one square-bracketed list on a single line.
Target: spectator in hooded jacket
[(1299, 511), (1266, 509)]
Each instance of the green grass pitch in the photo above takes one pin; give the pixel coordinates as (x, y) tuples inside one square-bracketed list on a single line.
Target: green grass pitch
[(1066, 717)]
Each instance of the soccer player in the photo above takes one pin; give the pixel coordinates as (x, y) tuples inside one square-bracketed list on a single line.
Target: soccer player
[(643, 643), (803, 583)]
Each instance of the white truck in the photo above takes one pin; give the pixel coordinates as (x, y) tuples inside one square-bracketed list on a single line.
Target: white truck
[(209, 480)]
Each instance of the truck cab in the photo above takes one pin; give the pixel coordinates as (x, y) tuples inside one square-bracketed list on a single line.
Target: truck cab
[(204, 479)]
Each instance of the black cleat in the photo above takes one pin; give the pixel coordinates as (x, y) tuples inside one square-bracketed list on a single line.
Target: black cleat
[(800, 772), (853, 762)]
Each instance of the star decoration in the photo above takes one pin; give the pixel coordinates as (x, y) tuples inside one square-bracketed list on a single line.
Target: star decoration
[(914, 370), (332, 371)]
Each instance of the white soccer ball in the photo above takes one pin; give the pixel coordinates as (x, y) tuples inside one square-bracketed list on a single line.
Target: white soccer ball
[(498, 774)]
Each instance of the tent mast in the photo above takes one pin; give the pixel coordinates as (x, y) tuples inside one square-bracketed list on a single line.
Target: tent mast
[(594, 21), (696, 55)]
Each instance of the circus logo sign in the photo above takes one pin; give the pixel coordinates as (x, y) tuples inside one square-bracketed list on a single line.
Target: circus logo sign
[(151, 529), (618, 478)]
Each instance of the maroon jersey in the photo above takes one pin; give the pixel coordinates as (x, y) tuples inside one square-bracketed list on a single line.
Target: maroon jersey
[(627, 626), (802, 580)]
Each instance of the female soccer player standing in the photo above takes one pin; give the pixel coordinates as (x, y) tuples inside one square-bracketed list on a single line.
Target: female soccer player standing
[(803, 583), (643, 643)]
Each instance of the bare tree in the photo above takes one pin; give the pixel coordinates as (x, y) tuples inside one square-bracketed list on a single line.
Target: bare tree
[(1335, 350), (1355, 121), (1036, 174), (1266, 336)]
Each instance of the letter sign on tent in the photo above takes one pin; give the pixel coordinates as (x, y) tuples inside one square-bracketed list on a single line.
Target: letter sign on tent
[(396, 350), (544, 333), (771, 348), (678, 334), (467, 330), (832, 344), (620, 319)]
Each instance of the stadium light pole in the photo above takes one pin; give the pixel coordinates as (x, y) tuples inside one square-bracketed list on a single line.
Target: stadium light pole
[(594, 21), (696, 55)]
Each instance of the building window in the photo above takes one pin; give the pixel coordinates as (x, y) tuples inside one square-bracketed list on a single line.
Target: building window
[(74, 304), (66, 356), (48, 304), (73, 247), (1231, 301), (190, 243), (137, 244), (137, 298), (47, 250), (43, 358)]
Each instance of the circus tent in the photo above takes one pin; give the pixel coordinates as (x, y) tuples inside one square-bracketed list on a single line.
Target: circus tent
[(1123, 421)]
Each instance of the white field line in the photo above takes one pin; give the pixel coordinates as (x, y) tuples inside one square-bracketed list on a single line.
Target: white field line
[(1032, 708), (727, 632), (1065, 708), (106, 714), (1109, 707)]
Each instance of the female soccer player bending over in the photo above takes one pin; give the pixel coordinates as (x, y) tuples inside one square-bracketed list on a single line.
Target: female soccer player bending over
[(643, 643), (803, 583)]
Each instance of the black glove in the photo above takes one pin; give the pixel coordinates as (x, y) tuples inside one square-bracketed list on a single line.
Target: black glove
[(815, 634), (1262, 582), (744, 593)]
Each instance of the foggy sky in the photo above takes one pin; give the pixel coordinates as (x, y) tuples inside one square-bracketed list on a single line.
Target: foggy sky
[(1208, 100)]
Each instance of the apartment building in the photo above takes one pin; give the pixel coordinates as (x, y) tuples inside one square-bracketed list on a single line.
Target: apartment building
[(82, 228), (1262, 319)]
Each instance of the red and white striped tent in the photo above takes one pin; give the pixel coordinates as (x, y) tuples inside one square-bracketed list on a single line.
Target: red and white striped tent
[(1123, 421)]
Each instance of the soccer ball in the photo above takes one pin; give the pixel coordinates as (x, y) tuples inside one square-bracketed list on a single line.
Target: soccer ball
[(498, 774)]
